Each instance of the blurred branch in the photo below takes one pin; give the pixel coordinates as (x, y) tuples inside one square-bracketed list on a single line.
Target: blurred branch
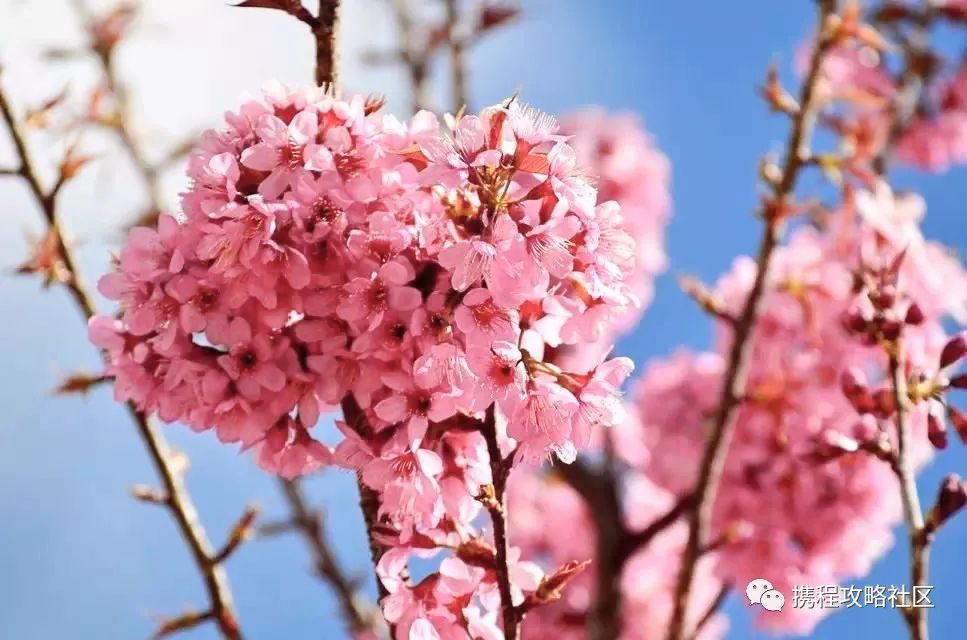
[(170, 466), (103, 46), (359, 614), (325, 30), (733, 389), (599, 489), (710, 612), (458, 62), (915, 617), (917, 67), (414, 59)]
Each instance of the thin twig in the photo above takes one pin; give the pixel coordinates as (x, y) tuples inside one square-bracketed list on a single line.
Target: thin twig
[(640, 539), (175, 495), (458, 62), (358, 613), (909, 90), (915, 617), (733, 389), (599, 490), (711, 611), (414, 59), (122, 123), (368, 498), (497, 508)]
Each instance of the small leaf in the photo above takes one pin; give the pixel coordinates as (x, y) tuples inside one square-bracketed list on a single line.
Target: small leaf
[(39, 117), (186, 621), (45, 260), (80, 383), (495, 15), (280, 5)]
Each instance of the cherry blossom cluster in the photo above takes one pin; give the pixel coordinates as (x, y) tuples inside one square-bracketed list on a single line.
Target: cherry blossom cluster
[(801, 500), (935, 136), (328, 255), (629, 169)]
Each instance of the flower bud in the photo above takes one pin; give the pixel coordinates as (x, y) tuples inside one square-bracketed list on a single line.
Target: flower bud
[(914, 315), (936, 426), (890, 329), (884, 297), (853, 321), (951, 499), (853, 383), (954, 350), (884, 405), (959, 382), (551, 587), (833, 444), (959, 420)]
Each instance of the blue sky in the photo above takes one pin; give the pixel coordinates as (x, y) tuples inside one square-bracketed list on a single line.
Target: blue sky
[(79, 558)]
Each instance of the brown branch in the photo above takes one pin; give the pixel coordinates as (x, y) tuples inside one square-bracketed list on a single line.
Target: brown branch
[(358, 613), (326, 33), (368, 498), (599, 491), (176, 497), (614, 544), (915, 617), (711, 611), (917, 66), (458, 62), (497, 508), (121, 124), (733, 389), (640, 539)]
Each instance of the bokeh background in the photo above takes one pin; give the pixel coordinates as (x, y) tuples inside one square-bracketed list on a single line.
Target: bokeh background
[(80, 559)]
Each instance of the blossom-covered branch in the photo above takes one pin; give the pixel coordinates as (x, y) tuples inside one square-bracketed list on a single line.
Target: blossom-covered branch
[(174, 495), (734, 385)]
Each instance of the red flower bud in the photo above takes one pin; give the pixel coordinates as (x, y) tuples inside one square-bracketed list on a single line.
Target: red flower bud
[(883, 404), (854, 322), (951, 499), (959, 420), (884, 297), (954, 350), (937, 426), (891, 329), (914, 315)]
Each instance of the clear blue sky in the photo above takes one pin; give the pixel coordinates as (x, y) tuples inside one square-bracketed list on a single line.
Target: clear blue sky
[(80, 559)]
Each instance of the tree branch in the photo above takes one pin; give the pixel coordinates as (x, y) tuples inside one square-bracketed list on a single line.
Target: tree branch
[(413, 59), (599, 490), (358, 614), (915, 617), (122, 123), (458, 62), (496, 506), (711, 611), (175, 495), (916, 66), (733, 389)]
